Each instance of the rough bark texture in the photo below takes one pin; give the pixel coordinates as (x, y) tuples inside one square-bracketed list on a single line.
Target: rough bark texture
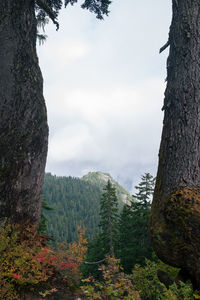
[(175, 218), (23, 122)]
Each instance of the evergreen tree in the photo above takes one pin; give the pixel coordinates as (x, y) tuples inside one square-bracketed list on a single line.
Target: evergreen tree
[(145, 190), (130, 234), (126, 239), (134, 239), (95, 254), (106, 240), (43, 219), (109, 218)]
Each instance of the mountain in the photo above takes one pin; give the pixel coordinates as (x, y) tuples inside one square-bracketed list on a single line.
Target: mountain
[(100, 179), (76, 201)]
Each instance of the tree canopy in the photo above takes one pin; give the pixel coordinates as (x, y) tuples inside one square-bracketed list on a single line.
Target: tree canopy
[(50, 8)]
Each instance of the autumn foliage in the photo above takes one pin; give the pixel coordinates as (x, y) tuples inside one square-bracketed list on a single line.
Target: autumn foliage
[(29, 264)]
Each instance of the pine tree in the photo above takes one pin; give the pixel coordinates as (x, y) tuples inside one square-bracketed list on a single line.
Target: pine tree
[(145, 190), (109, 218)]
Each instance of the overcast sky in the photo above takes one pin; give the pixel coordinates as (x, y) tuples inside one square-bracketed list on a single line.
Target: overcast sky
[(104, 83)]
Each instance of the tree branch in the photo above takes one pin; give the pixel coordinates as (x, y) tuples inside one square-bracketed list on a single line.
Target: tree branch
[(164, 47), (52, 15), (94, 262)]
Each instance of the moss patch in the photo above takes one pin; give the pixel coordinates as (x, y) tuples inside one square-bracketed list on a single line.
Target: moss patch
[(175, 229)]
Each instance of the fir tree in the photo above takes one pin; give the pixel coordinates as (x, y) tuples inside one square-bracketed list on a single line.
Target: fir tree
[(145, 190), (106, 240), (134, 238), (43, 219), (126, 238), (109, 218)]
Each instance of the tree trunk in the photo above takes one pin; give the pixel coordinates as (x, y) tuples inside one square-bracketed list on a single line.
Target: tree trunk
[(23, 121), (175, 217)]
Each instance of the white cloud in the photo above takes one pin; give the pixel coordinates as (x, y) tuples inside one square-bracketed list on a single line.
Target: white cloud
[(104, 84), (108, 126), (65, 52)]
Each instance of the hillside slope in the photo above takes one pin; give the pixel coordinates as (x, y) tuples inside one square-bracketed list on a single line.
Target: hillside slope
[(76, 201), (100, 179)]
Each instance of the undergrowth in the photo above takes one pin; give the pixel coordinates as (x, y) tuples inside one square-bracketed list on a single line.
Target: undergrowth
[(29, 264)]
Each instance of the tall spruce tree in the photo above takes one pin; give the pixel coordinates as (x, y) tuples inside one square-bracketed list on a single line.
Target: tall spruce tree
[(23, 125), (109, 218)]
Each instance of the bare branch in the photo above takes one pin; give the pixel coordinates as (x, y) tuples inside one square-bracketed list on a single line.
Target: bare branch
[(94, 262), (164, 47)]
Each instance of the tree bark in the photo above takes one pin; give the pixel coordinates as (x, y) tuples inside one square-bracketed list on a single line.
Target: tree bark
[(175, 217), (23, 121)]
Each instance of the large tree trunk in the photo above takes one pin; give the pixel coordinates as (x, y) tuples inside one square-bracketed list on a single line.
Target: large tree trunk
[(23, 122), (175, 217)]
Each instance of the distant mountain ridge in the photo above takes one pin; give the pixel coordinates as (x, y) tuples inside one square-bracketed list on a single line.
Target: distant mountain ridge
[(76, 201), (100, 179)]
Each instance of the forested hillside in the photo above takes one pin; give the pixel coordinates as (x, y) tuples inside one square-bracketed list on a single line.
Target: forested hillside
[(76, 201), (100, 179)]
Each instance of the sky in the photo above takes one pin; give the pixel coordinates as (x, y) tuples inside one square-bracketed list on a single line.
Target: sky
[(104, 85)]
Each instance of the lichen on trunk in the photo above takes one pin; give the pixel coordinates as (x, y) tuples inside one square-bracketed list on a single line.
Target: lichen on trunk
[(175, 216), (23, 121)]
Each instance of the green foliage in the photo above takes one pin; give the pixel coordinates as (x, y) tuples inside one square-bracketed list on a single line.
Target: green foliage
[(145, 189), (75, 203), (50, 8), (134, 241), (131, 235), (146, 281), (95, 253), (129, 250), (109, 218), (143, 283), (181, 291), (106, 240), (43, 219), (115, 284)]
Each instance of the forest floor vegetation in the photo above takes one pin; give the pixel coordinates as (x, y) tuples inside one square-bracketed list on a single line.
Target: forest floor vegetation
[(29, 266)]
